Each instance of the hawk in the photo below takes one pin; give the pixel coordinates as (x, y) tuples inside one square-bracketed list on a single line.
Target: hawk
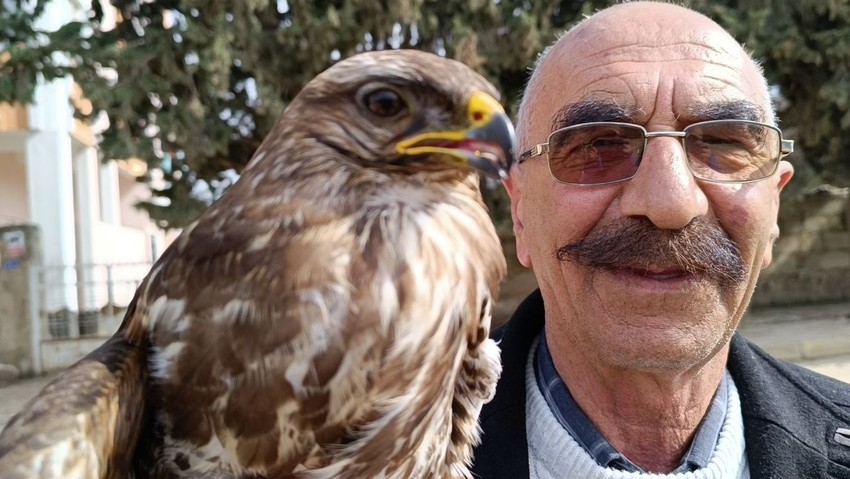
[(327, 317)]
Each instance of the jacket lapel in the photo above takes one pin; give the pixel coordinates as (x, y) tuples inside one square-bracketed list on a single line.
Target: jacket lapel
[(791, 416), (504, 449)]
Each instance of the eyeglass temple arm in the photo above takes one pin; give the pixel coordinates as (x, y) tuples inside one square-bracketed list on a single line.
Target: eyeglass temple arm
[(538, 150), (787, 146)]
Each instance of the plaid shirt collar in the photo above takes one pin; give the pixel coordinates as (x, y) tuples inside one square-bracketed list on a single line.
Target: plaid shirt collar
[(574, 420)]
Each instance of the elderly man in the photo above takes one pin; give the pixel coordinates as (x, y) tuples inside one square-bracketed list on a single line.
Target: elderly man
[(646, 203)]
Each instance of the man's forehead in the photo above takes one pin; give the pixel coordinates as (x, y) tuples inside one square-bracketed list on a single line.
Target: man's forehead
[(647, 23), (603, 45), (648, 32), (647, 76)]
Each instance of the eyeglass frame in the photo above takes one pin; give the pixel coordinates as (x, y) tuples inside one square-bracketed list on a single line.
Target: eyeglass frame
[(786, 147)]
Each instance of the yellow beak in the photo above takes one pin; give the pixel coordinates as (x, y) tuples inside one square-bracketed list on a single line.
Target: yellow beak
[(487, 145)]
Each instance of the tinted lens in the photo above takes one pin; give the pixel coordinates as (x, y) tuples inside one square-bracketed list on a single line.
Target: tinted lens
[(595, 153), (732, 150)]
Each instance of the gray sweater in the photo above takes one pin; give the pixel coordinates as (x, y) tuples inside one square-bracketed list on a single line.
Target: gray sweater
[(554, 454)]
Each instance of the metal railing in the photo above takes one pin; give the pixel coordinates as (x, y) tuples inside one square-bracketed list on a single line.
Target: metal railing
[(86, 300)]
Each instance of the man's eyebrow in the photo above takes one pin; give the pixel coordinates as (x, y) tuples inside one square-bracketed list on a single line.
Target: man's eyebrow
[(587, 111), (730, 110)]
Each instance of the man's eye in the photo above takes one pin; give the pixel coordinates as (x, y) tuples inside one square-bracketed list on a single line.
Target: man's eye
[(609, 142), (385, 103), (717, 140)]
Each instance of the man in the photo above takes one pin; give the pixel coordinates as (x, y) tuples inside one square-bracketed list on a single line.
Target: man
[(647, 242)]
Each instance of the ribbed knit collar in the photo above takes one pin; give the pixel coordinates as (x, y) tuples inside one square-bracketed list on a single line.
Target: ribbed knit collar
[(554, 454), (572, 418)]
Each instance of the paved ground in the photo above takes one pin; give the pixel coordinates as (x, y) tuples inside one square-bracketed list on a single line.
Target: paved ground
[(803, 334), (817, 337)]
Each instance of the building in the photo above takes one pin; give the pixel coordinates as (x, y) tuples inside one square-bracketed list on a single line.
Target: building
[(94, 246)]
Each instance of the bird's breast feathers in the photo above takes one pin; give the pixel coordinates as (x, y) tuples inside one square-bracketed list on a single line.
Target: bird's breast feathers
[(289, 337)]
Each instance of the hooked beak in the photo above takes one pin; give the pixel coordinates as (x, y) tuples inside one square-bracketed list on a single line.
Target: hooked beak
[(487, 145)]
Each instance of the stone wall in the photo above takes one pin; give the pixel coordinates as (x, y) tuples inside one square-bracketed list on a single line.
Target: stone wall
[(811, 259), (19, 252)]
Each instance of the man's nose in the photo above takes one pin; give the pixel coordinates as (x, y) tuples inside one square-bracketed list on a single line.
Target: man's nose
[(664, 190)]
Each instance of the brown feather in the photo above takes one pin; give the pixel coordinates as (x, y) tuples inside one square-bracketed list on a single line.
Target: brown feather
[(327, 317), (85, 423)]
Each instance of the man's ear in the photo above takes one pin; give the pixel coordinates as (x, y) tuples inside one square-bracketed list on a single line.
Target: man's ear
[(768, 252), (513, 186), (784, 175)]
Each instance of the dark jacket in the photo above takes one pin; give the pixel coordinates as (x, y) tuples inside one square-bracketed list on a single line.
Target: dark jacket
[(791, 415)]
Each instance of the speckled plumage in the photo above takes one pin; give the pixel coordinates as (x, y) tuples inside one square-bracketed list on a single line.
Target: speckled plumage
[(327, 317)]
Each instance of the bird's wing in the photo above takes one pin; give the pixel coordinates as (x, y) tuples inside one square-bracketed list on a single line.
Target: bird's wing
[(245, 343), (85, 423), (258, 349)]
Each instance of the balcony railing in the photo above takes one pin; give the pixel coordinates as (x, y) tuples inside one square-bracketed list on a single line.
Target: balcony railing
[(86, 300)]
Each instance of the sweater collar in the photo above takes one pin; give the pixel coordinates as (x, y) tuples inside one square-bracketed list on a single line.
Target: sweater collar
[(574, 420)]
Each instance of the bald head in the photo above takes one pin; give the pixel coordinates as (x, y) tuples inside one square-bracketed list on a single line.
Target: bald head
[(644, 57)]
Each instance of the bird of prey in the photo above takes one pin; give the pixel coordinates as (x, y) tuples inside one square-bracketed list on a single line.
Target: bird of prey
[(328, 317)]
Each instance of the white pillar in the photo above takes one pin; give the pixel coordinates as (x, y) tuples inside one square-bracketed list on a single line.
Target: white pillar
[(51, 202), (87, 212), (50, 187), (110, 197), (49, 156)]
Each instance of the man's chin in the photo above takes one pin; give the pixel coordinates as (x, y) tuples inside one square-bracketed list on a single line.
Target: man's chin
[(669, 324), (661, 349)]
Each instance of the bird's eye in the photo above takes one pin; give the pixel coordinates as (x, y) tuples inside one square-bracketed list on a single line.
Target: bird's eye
[(386, 103)]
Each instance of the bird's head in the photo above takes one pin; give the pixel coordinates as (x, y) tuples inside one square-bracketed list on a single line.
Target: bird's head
[(405, 111)]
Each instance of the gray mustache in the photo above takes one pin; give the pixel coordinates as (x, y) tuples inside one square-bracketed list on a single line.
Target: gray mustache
[(701, 249)]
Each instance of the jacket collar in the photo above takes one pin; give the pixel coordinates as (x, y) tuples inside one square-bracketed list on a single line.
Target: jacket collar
[(791, 415)]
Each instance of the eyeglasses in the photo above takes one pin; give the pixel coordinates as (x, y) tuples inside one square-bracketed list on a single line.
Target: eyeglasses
[(719, 151)]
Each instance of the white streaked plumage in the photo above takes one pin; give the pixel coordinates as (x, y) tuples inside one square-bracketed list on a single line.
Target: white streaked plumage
[(327, 318)]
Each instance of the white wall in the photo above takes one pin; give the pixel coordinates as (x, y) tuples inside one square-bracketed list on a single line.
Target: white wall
[(14, 208)]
